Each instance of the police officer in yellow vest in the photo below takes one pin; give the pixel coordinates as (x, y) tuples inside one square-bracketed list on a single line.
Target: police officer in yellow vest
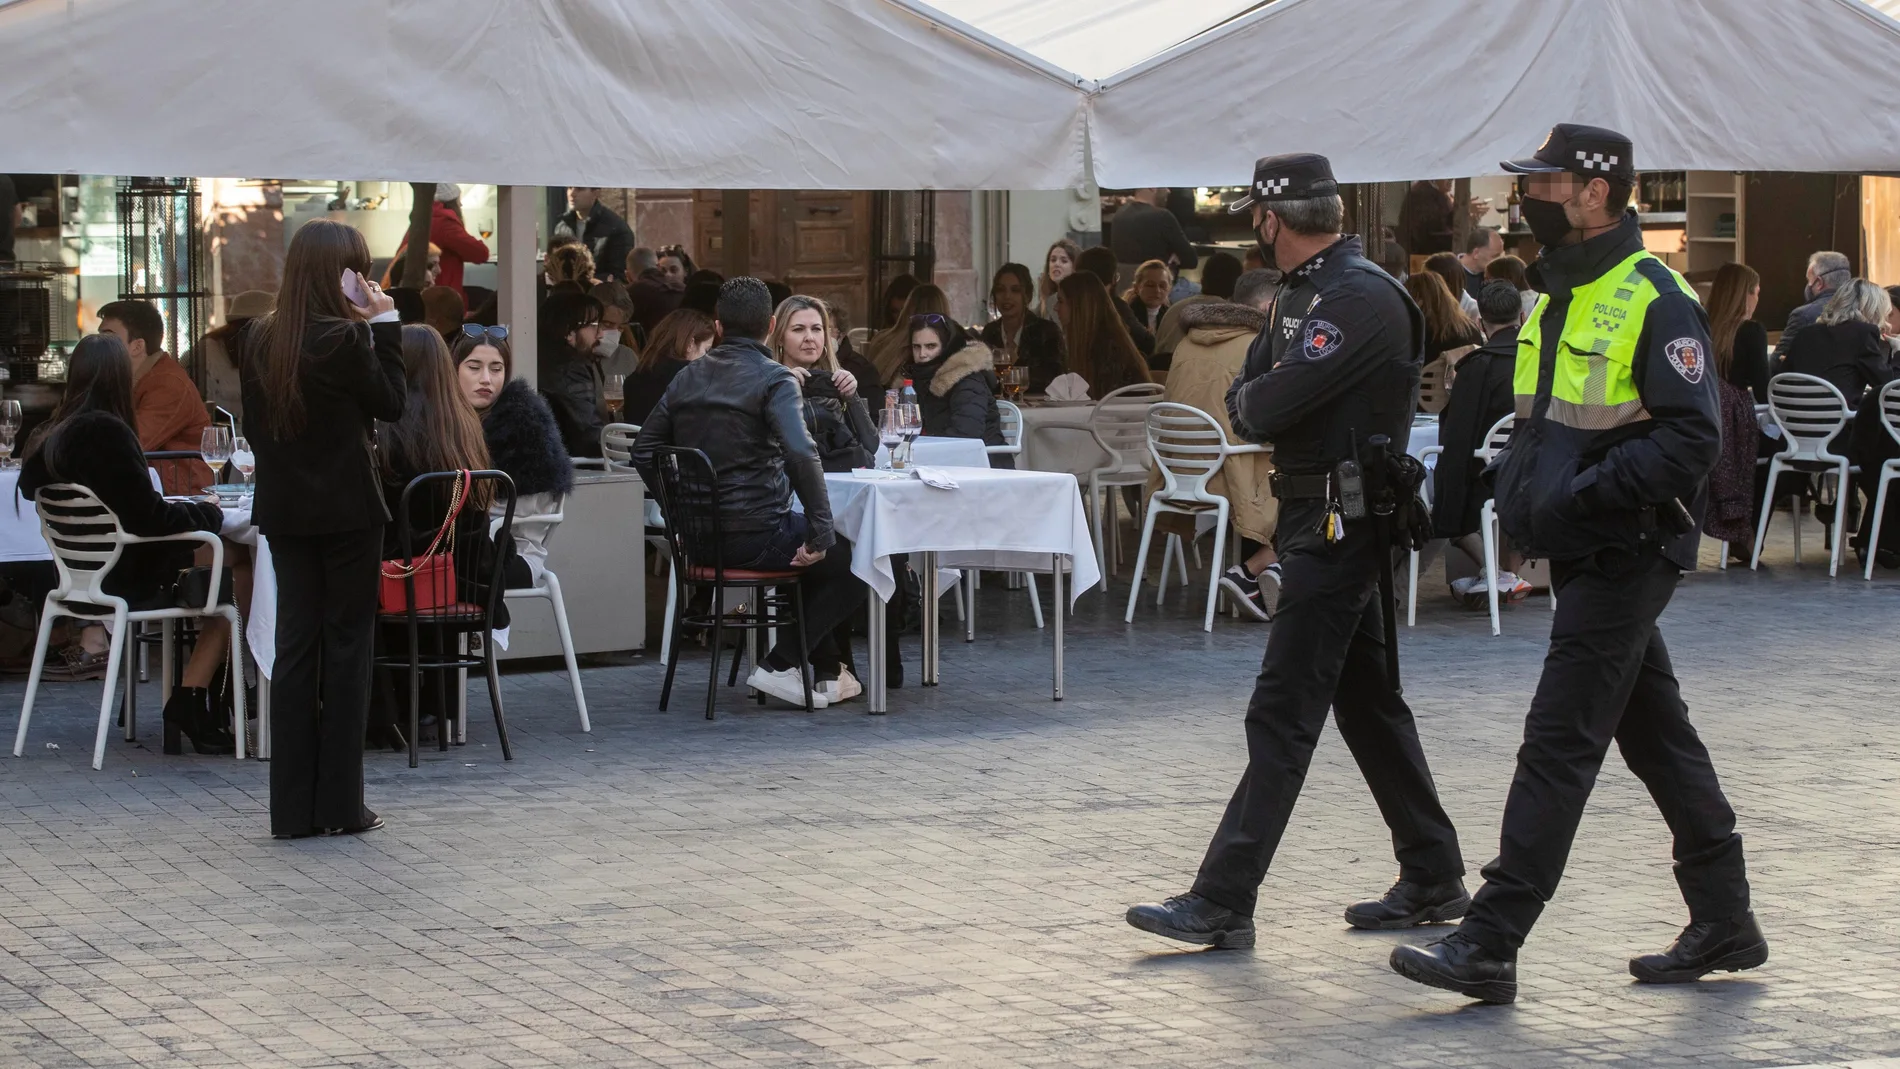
[(1605, 477)]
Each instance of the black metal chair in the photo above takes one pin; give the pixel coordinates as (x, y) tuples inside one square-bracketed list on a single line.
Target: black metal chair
[(464, 602), (689, 499)]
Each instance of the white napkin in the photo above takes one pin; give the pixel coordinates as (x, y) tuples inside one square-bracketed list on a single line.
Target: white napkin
[(936, 477), (1068, 387)]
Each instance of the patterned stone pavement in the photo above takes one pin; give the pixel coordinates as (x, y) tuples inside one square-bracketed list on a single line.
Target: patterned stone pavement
[(945, 885)]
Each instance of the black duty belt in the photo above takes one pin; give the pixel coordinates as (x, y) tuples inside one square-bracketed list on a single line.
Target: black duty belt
[(1298, 487)]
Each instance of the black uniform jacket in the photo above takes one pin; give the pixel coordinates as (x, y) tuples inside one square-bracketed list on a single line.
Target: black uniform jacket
[(1337, 363)]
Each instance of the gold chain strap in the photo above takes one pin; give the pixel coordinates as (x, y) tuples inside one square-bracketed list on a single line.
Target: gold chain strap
[(398, 570)]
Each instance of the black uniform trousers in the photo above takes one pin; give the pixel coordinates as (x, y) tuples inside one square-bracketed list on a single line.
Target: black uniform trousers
[(1326, 650), (1607, 675), (320, 692)]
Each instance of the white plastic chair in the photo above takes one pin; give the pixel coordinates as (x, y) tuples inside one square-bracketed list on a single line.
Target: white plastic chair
[(1119, 424), (1810, 412), (1889, 401), (1495, 440), (1427, 456), (1188, 447), (549, 589), (1011, 418), (87, 540)]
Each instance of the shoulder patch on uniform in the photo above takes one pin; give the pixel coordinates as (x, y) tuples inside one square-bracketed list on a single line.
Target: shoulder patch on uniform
[(1687, 357), (1322, 339)]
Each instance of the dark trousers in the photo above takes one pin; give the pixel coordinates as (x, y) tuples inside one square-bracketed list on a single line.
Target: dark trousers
[(320, 692), (1607, 676), (830, 591), (1327, 650)]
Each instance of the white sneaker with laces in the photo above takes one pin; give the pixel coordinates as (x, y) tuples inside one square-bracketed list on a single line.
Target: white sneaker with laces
[(842, 689), (787, 686), (1512, 588)]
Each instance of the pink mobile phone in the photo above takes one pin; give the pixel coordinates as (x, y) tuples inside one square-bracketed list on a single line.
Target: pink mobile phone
[(353, 289)]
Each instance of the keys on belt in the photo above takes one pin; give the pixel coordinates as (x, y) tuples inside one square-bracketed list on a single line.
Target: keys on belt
[(1332, 522)]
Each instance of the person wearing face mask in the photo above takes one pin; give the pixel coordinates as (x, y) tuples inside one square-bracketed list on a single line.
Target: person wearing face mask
[(1606, 477), (1336, 364), (617, 356), (570, 369)]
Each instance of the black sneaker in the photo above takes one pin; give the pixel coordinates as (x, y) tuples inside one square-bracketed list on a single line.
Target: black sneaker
[(1702, 948), (1408, 904), (1458, 963), (1193, 919), (1245, 589)]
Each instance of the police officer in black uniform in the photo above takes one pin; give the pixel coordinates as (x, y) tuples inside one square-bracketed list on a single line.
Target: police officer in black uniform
[(1605, 476), (1336, 365)]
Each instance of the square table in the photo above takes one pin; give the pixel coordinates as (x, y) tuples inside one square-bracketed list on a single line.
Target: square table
[(996, 519)]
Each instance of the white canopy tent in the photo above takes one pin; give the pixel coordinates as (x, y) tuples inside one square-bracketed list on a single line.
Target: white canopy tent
[(1397, 89), (946, 94), (817, 94)]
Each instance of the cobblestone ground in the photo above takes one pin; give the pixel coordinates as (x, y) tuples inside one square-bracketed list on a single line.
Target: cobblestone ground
[(945, 885)]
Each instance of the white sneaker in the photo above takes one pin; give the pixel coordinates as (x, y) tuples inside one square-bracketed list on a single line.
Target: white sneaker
[(1512, 588), (1470, 591), (787, 686), (842, 689)]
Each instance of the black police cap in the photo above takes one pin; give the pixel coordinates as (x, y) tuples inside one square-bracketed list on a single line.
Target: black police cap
[(1587, 151), (1289, 176)]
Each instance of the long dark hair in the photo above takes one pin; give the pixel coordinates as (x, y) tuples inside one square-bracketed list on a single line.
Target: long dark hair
[(1099, 347), (1444, 320), (98, 379), (312, 293), (439, 430), (674, 336), (1728, 307)]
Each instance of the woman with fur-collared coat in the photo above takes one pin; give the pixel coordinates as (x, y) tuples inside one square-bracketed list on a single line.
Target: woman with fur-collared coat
[(956, 388), (523, 441)]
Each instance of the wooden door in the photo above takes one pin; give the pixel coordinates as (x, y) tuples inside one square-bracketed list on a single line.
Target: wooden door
[(824, 248)]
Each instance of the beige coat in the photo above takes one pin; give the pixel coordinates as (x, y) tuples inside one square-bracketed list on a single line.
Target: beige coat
[(1205, 363)]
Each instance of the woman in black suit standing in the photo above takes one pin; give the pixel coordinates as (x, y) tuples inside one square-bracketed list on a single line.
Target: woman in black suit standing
[(320, 371)]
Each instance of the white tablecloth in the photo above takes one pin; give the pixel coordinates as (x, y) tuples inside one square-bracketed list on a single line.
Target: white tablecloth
[(996, 519), (1424, 436), (950, 452), (21, 540), (1057, 438)]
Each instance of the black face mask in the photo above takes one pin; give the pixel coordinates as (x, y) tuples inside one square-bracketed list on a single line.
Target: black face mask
[(1546, 218), (1266, 247)]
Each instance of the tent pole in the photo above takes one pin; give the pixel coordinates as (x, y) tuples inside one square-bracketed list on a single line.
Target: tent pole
[(515, 256)]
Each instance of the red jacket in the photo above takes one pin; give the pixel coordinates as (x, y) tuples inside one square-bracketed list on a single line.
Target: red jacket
[(458, 246)]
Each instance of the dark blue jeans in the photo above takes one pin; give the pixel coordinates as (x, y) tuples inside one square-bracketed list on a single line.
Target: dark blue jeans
[(831, 592)]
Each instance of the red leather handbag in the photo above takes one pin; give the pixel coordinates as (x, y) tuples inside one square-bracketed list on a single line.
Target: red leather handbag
[(433, 570)]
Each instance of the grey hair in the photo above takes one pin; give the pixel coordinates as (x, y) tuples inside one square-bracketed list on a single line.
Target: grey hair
[(1831, 267), (1255, 288), (1311, 215), (1857, 299)]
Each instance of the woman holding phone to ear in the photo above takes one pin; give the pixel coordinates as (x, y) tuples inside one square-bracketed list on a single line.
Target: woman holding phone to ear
[(319, 371)]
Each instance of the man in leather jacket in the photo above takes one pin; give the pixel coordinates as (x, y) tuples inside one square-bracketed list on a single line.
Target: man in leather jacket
[(743, 410)]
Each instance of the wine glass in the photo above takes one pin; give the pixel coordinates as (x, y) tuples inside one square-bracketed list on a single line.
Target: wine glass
[(243, 459), (614, 390), (890, 432), (913, 416), (10, 416), (215, 446)]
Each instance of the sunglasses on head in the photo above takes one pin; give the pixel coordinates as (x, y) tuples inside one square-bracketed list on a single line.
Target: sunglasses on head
[(928, 319), (479, 332)]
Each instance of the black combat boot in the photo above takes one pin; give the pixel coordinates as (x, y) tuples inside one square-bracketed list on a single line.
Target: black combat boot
[(1408, 903), (1193, 919), (1702, 948), (1458, 963)]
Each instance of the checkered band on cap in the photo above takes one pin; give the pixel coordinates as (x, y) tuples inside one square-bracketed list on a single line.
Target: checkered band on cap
[(1596, 161), (1271, 186)]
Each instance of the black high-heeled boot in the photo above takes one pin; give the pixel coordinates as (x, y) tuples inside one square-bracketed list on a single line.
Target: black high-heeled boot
[(188, 713)]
